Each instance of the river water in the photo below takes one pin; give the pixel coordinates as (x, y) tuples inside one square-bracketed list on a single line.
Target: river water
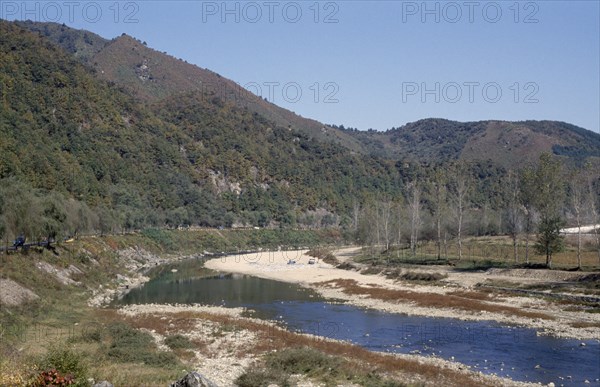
[(514, 352)]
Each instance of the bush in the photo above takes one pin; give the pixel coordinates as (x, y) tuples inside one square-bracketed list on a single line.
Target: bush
[(421, 276), (63, 362), (302, 360), (262, 377), (178, 342), (53, 378), (161, 237), (129, 345)]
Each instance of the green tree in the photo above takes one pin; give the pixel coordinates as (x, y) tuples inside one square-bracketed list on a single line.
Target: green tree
[(549, 240), (549, 200), (54, 216)]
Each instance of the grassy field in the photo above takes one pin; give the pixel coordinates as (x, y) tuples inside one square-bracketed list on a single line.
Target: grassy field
[(481, 253)]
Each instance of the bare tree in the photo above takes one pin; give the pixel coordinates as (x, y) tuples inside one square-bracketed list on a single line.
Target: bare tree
[(461, 190), (399, 219), (594, 210), (514, 209), (578, 200), (384, 216), (414, 205), (355, 214), (528, 192), (437, 190)]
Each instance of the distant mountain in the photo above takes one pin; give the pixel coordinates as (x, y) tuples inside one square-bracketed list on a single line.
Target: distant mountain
[(507, 144)]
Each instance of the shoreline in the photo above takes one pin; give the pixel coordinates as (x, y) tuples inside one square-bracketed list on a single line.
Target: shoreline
[(273, 266), (225, 367)]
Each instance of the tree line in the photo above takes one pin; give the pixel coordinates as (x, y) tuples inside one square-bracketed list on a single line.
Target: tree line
[(441, 203)]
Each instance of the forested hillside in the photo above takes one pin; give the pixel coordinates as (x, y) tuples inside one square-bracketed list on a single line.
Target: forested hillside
[(197, 160), (505, 144), (101, 135)]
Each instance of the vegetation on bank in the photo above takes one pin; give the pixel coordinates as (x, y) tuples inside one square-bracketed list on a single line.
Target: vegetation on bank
[(278, 368), (83, 339), (83, 155)]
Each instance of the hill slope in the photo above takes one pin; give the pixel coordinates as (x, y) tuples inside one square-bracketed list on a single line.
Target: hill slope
[(153, 76), (506, 144), (196, 160)]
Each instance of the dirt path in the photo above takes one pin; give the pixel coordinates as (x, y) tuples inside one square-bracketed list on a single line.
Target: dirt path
[(418, 299)]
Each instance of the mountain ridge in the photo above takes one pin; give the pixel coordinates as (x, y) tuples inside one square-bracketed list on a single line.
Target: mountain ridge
[(153, 76)]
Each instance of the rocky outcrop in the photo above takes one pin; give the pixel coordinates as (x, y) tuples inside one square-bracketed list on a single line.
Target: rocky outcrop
[(13, 294), (193, 379)]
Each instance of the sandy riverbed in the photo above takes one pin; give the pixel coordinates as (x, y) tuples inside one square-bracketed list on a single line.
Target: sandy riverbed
[(274, 265)]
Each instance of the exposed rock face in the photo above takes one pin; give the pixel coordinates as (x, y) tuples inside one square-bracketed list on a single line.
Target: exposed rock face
[(13, 294), (193, 379)]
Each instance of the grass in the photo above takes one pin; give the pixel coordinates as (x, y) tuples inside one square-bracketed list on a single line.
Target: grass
[(61, 312), (178, 341), (315, 353), (480, 254), (278, 367), (431, 300)]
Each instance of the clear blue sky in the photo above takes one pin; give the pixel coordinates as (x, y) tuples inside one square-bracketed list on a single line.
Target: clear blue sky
[(375, 64)]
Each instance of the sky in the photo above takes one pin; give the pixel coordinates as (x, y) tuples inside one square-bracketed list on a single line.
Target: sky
[(373, 64)]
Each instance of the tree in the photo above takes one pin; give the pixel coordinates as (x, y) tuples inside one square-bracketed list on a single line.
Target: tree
[(383, 221), (514, 209), (578, 203), (548, 201), (594, 211), (54, 216), (437, 190), (549, 240), (461, 189), (527, 196), (414, 207)]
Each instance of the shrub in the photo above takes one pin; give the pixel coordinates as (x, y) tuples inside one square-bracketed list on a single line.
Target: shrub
[(262, 377), (129, 345), (178, 342), (63, 362), (53, 378), (421, 276)]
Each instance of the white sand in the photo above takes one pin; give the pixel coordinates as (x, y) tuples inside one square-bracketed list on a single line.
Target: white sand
[(273, 265)]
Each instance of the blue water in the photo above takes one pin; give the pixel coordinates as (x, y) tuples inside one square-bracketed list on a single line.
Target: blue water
[(488, 347)]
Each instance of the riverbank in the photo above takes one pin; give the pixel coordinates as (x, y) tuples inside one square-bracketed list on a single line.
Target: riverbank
[(226, 345), (455, 296)]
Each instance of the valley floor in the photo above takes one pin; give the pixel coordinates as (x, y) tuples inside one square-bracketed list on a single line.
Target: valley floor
[(455, 296)]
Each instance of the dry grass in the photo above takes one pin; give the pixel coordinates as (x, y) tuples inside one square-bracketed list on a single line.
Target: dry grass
[(585, 324), (432, 300), (270, 337)]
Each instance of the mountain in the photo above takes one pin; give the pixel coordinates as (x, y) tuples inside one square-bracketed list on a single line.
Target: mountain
[(152, 77), (65, 129), (140, 138), (506, 144)]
